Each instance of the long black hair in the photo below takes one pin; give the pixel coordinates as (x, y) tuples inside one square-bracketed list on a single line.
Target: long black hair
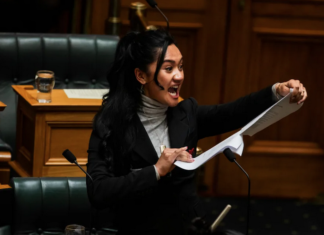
[(114, 123)]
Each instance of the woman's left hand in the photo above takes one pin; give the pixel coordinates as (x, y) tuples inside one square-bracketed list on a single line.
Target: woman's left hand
[(299, 93)]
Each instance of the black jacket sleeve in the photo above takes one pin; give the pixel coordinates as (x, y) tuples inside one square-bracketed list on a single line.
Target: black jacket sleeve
[(107, 189), (218, 119)]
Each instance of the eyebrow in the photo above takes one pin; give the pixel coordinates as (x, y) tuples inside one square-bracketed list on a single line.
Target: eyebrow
[(172, 61)]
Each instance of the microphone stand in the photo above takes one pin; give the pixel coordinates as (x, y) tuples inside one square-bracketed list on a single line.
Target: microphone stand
[(71, 158), (166, 19), (76, 163), (231, 157), (153, 4)]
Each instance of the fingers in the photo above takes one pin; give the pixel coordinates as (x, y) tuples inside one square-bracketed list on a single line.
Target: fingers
[(295, 85), (303, 97), (294, 95), (185, 157), (177, 151), (179, 154), (283, 89), (299, 93), (169, 156)]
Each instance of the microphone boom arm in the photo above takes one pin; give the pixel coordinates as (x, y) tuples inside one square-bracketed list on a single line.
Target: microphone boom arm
[(231, 157), (166, 19), (83, 170), (153, 4)]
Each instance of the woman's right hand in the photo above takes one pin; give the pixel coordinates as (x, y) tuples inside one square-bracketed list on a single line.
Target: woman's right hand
[(165, 164)]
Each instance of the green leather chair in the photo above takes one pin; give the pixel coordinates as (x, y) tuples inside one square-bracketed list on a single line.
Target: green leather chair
[(79, 61), (47, 205)]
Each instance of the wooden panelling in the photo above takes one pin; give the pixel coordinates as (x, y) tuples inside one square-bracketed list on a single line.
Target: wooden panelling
[(295, 57), (289, 24), (273, 176), (24, 147), (76, 138), (285, 147), (277, 41), (100, 9), (174, 17), (53, 117), (39, 144), (63, 171), (284, 9), (178, 5), (176, 11)]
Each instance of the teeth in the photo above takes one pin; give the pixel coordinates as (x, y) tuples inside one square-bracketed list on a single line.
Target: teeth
[(173, 93)]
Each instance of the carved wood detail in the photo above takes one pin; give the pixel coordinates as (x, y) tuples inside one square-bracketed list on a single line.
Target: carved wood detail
[(58, 138), (277, 41), (284, 147)]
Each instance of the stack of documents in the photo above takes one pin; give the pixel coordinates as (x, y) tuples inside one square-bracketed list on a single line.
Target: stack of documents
[(86, 93)]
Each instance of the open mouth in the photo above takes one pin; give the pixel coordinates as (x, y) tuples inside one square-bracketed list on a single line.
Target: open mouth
[(173, 91)]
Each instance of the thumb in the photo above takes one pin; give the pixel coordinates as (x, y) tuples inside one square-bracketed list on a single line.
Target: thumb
[(284, 89), (183, 148)]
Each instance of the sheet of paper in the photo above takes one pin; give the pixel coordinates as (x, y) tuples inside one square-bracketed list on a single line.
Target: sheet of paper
[(273, 114), (86, 93), (235, 142)]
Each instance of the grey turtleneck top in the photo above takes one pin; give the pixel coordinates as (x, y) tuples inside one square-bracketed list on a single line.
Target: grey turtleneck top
[(153, 117)]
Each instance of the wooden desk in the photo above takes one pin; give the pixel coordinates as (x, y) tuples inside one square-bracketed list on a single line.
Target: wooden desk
[(44, 131), (5, 157), (4, 186), (2, 106)]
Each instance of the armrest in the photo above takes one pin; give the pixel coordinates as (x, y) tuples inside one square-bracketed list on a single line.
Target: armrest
[(5, 230)]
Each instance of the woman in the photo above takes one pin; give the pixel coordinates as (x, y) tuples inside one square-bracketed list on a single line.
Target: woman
[(133, 174)]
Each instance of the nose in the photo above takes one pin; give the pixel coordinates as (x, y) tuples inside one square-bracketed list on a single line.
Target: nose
[(178, 76)]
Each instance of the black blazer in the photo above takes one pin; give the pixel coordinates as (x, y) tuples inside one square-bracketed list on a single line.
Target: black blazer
[(142, 204)]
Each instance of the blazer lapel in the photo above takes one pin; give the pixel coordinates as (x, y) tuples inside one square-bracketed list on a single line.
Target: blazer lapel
[(178, 127), (144, 146)]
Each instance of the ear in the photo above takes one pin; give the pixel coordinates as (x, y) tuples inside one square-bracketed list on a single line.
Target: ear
[(140, 76)]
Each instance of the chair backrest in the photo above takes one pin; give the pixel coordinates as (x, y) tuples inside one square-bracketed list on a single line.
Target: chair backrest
[(47, 205), (78, 61)]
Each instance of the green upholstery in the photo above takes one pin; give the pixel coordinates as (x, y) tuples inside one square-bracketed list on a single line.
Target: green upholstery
[(79, 61), (47, 205)]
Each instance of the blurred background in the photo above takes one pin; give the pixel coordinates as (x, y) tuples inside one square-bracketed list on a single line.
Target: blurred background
[(230, 48)]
